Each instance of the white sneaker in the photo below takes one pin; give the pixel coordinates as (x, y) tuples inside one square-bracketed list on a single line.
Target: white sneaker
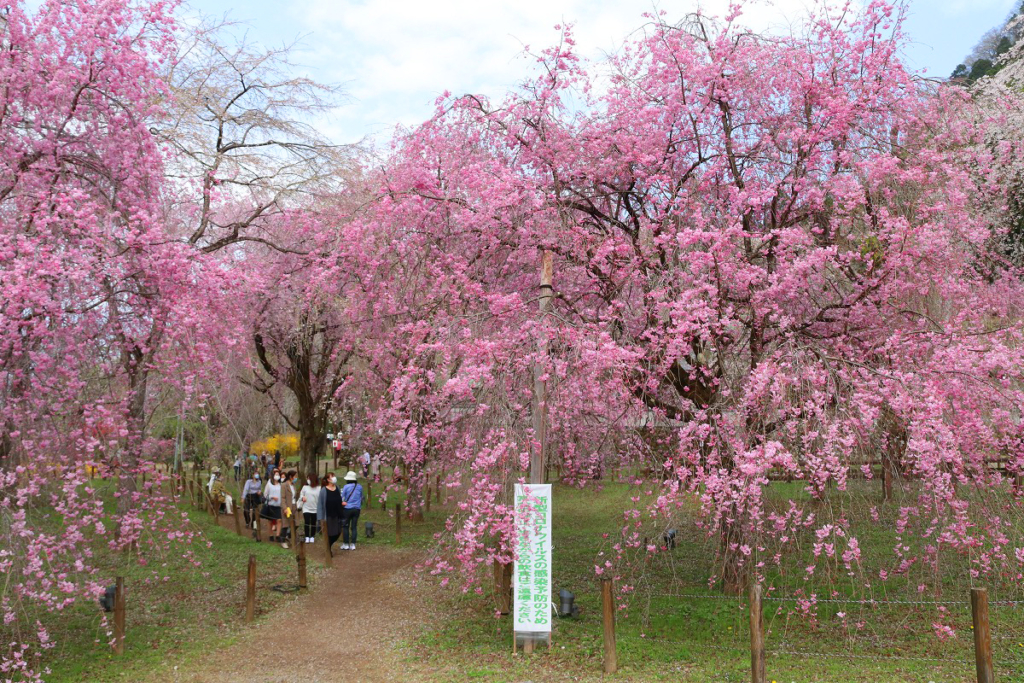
[(352, 546), (344, 546)]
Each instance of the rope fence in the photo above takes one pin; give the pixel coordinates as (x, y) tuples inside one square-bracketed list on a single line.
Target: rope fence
[(760, 652)]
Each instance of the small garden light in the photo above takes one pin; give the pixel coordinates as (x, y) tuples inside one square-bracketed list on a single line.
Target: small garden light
[(369, 530), (566, 608), (107, 598), (670, 538)]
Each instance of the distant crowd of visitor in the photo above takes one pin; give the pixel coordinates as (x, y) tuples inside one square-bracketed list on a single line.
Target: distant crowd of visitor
[(319, 500)]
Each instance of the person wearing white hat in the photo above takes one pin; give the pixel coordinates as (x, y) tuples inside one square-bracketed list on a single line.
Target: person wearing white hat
[(351, 503)]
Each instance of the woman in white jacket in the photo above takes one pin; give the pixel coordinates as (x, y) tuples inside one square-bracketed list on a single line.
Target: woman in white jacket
[(308, 498)]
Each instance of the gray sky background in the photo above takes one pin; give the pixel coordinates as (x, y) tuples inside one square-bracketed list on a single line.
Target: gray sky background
[(394, 57)]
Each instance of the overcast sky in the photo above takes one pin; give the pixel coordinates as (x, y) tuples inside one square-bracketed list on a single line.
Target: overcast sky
[(394, 57)]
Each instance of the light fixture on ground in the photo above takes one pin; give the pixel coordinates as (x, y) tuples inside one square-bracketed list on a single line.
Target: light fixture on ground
[(107, 598), (566, 608), (670, 538), (369, 530)]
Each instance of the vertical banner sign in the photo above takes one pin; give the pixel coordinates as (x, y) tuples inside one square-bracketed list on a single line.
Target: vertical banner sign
[(531, 579)]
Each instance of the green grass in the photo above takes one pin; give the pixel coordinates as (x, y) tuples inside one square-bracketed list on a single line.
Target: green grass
[(662, 636), (197, 609)]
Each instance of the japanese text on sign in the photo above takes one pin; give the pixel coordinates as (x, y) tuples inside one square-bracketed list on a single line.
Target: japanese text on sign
[(532, 575)]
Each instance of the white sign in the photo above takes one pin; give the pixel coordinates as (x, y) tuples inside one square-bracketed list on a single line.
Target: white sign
[(531, 577)]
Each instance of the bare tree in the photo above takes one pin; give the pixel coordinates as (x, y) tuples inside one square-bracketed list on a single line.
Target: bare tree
[(243, 127)]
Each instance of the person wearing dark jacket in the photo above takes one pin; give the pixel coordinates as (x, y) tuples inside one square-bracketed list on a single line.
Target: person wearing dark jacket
[(329, 508), (251, 499)]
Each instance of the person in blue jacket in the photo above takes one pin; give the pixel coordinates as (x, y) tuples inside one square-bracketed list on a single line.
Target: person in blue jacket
[(351, 503)]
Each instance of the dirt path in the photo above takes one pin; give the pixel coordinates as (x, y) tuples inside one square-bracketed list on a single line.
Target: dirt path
[(347, 628)]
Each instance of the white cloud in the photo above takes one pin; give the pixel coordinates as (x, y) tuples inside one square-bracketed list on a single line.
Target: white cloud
[(397, 56)]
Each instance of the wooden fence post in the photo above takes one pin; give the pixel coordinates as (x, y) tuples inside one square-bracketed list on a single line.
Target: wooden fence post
[(886, 478), (250, 590), (758, 664), (369, 494), (119, 617), (982, 636), (427, 501), (437, 489), (398, 524), (503, 586), (295, 530), (301, 560), (328, 559), (238, 520), (213, 506), (611, 664), (191, 492)]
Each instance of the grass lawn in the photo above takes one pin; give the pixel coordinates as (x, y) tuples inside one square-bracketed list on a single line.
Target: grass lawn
[(197, 609), (676, 628)]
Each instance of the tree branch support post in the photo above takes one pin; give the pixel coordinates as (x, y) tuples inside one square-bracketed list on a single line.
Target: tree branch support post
[(982, 636), (328, 558), (398, 524), (238, 521), (295, 530), (119, 616), (503, 586), (301, 561), (758, 664), (250, 590), (611, 663)]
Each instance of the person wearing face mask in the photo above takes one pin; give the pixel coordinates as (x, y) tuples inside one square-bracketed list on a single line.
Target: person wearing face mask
[(251, 502), (309, 496), (287, 507), (271, 509), (329, 508)]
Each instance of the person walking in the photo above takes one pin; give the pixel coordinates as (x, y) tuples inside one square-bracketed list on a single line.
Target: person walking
[(329, 508), (287, 507), (308, 498), (238, 467), (352, 503), (251, 502), (271, 509), (364, 462)]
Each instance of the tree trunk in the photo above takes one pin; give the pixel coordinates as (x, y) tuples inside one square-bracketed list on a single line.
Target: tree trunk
[(734, 575), (311, 441), (414, 477), (131, 454)]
